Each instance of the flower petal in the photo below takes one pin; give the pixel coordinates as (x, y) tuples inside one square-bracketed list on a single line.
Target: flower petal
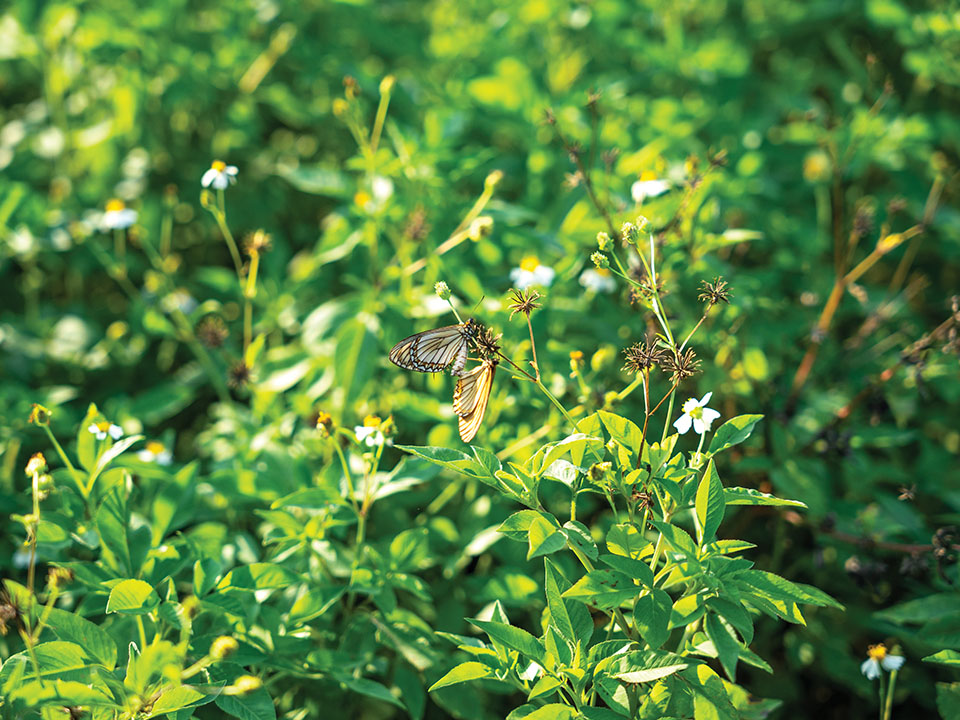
[(115, 432), (208, 177), (892, 662), (682, 424), (706, 398), (700, 426), (870, 668)]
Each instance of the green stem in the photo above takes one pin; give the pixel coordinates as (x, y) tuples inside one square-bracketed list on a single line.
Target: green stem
[(666, 424), (63, 456), (32, 568), (221, 217), (888, 705), (883, 695), (120, 249), (142, 631)]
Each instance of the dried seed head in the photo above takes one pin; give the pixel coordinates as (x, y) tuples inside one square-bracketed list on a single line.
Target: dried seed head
[(488, 343), (642, 356), (212, 331), (238, 376), (39, 415), (716, 292), (258, 242), (523, 301), (417, 225), (681, 365)]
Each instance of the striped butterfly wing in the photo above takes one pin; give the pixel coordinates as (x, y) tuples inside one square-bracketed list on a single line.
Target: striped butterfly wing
[(432, 350), (470, 398)]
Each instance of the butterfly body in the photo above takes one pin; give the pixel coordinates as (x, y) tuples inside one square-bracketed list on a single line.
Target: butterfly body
[(471, 395), (436, 350)]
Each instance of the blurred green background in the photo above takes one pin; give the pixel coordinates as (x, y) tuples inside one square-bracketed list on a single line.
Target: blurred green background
[(835, 116)]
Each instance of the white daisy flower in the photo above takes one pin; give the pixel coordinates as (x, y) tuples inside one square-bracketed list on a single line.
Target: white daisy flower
[(649, 185), (103, 428), (599, 280), (118, 216), (219, 176), (879, 659), (697, 414), (382, 188), (531, 272), (157, 452), (369, 433)]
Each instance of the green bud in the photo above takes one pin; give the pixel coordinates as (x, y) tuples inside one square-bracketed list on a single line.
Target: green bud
[(603, 241), (442, 290), (600, 260)]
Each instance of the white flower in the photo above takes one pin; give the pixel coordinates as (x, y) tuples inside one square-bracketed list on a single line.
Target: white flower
[(531, 272), (696, 413), (599, 280), (382, 188), (156, 452), (648, 186), (369, 433), (219, 176), (118, 216), (879, 658), (103, 428)]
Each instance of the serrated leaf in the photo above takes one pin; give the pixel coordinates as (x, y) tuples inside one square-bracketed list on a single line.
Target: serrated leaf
[(578, 536), (733, 432), (651, 613), (559, 618), (648, 665), (604, 589), (780, 588), (95, 641), (512, 637), (709, 504), (678, 539), (728, 648), (543, 538), (258, 576), (132, 597), (631, 567), (253, 706), (750, 496), (464, 672)]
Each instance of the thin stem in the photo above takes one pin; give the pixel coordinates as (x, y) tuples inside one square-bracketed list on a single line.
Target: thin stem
[(381, 116), (695, 328), (120, 249), (221, 218), (347, 474), (888, 705), (666, 424), (533, 348), (142, 632), (63, 456), (883, 694), (249, 292), (32, 567)]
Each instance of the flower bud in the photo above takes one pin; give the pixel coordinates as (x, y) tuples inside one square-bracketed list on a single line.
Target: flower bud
[(387, 84), (600, 260), (244, 685), (629, 232), (36, 464), (39, 415), (223, 647), (493, 179), (442, 290), (340, 107), (603, 241)]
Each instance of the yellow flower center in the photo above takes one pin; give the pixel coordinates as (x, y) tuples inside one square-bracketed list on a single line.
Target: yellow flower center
[(604, 272), (218, 165), (529, 263), (115, 205), (877, 652), (647, 175), (371, 421), (103, 426), (154, 447), (362, 198), (576, 355)]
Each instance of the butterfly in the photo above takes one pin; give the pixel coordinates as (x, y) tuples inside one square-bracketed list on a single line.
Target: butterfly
[(434, 350), (471, 395)]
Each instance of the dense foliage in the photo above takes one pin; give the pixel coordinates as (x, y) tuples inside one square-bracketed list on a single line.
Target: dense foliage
[(243, 509)]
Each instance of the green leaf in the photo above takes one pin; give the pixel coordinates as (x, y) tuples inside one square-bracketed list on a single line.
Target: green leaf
[(559, 618), (578, 536), (651, 613), (370, 688), (253, 706), (604, 589), (944, 657), (948, 700), (544, 538), (111, 454), (86, 440), (735, 614), (205, 574), (318, 180), (780, 588), (922, 609), (631, 567), (647, 665), (132, 597), (625, 539), (733, 432), (517, 526), (512, 637), (258, 576), (728, 648), (409, 548), (544, 686), (112, 527), (551, 711), (178, 698), (709, 504), (95, 641), (678, 539), (749, 496), (624, 432), (464, 672), (314, 603), (353, 358), (452, 460)]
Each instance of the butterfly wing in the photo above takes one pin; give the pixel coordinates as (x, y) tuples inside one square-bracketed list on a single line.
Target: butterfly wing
[(470, 398), (431, 350)]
